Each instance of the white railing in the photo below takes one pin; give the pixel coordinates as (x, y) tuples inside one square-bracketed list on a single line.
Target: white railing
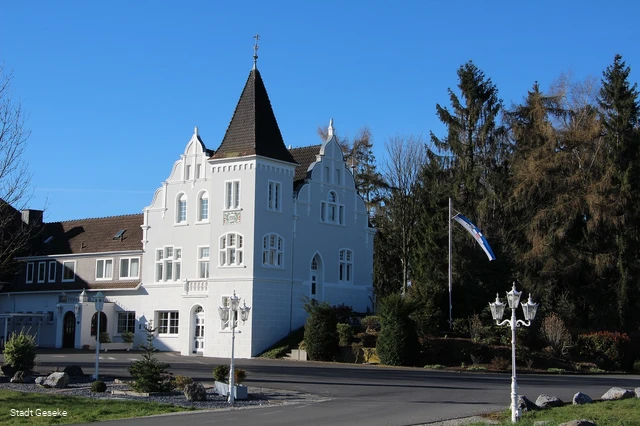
[(195, 287)]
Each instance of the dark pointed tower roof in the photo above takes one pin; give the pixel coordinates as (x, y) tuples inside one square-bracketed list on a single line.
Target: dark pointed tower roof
[(253, 130)]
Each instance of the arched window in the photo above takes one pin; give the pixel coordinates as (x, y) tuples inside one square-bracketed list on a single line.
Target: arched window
[(181, 208), (331, 211), (203, 207), (346, 265), (231, 250), (273, 251)]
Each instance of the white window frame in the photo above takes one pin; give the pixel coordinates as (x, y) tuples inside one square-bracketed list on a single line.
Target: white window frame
[(168, 323), (104, 269), (51, 272), (273, 251), (274, 196), (168, 257), (331, 211), (232, 195), (181, 209), (65, 268), (129, 276), (231, 250), (203, 211), (127, 319), (42, 272), (30, 272), (203, 262), (345, 268)]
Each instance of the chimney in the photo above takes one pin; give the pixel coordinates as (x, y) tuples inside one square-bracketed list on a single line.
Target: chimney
[(32, 217)]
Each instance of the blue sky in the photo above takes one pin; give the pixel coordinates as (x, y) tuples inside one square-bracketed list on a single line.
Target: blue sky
[(114, 89)]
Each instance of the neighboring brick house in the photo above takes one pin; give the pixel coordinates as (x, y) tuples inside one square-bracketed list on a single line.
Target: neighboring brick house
[(273, 224)]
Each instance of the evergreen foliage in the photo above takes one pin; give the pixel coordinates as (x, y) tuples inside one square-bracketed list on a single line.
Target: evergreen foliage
[(398, 341), (320, 331), (149, 374), (20, 351), (98, 386)]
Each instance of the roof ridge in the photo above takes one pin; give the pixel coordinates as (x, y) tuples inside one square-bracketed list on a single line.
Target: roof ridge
[(97, 218)]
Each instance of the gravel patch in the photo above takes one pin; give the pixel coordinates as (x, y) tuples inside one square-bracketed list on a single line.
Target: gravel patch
[(257, 396)]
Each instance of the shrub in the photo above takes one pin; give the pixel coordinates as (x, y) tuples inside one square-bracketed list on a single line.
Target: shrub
[(20, 351), (221, 374), (499, 363), (127, 336), (181, 381), (149, 374), (368, 339), (607, 349), (556, 335), (398, 341), (98, 386), (371, 323), (460, 327), (239, 375), (320, 331), (345, 334), (476, 329), (105, 338), (636, 366), (343, 313)]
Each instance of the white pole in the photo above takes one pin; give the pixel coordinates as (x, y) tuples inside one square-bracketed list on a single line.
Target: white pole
[(97, 345), (231, 369), (515, 414), (450, 304)]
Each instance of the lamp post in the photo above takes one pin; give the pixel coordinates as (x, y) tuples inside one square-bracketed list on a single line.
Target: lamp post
[(99, 301), (229, 314), (497, 310)]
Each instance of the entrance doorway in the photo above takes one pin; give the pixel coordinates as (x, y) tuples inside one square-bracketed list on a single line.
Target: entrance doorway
[(69, 330), (198, 331)]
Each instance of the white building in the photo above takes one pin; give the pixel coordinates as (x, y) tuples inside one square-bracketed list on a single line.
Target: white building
[(273, 224)]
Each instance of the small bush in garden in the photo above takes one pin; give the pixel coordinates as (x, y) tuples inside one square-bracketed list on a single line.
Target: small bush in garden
[(636, 365), (556, 370), (499, 364), (345, 334), (476, 329), (320, 331), (127, 336), (98, 386), (20, 351), (239, 375), (105, 338), (398, 340), (221, 373), (343, 313), (368, 339), (149, 374), (181, 381), (605, 348), (556, 335), (461, 327), (371, 323)]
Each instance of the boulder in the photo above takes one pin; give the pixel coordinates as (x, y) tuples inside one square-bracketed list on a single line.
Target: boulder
[(525, 404), (548, 401), (56, 380), (581, 398), (195, 392), (74, 371), (40, 380), (617, 393), (637, 392), (18, 377), (8, 370), (581, 422)]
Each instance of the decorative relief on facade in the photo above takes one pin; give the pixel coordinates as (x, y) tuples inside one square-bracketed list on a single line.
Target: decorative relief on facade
[(232, 218)]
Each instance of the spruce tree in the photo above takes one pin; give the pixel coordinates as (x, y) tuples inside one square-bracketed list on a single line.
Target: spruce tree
[(149, 374)]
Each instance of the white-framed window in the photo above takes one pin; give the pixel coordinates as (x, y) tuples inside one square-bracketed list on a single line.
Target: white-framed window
[(231, 250), (104, 269), (274, 196), (232, 195), (331, 211), (51, 276), (273, 251), (346, 265), (126, 322), (203, 262), (129, 268), (68, 271), (168, 264), (203, 207), (29, 277), (181, 208), (42, 271), (168, 322)]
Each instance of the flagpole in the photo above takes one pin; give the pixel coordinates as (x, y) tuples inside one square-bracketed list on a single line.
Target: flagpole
[(450, 305)]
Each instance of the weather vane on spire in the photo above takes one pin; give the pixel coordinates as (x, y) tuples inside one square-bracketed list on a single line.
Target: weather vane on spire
[(255, 50)]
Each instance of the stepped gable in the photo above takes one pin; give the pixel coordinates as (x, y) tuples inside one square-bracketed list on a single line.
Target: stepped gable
[(253, 130)]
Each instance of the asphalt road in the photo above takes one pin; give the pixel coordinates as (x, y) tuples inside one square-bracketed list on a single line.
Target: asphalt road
[(358, 394)]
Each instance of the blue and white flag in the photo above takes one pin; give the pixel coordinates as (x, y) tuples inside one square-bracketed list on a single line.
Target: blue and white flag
[(475, 232)]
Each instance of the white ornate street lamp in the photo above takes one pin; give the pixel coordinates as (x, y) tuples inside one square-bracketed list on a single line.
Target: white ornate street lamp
[(229, 314), (99, 301), (497, 310)]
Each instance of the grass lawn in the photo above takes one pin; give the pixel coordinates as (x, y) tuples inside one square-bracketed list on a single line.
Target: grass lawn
[(605, 413), (40, 409)]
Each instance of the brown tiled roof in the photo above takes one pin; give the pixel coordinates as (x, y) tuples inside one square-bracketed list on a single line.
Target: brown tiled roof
[(253, 130), (91, 235), (304, 156)]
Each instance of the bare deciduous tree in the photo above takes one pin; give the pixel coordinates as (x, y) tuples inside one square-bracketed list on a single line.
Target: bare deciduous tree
[(15, 179)]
